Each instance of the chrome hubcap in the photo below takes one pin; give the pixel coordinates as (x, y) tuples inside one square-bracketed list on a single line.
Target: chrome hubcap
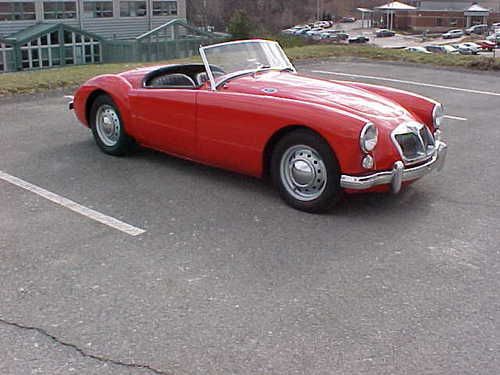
[(108, 125), (303, 173)]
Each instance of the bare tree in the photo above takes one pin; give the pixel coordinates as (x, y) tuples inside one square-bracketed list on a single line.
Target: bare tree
[(271, 15)]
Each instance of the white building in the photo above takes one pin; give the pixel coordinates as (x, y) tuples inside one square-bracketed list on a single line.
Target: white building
[(120, 19)]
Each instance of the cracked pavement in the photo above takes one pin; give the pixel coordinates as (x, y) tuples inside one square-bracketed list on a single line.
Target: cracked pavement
[(229, 280), (57, 356)]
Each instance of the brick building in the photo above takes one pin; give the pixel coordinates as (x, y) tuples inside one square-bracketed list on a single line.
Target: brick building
[(435, 15)]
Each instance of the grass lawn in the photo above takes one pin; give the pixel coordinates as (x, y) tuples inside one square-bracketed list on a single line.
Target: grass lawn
[(71, 76)]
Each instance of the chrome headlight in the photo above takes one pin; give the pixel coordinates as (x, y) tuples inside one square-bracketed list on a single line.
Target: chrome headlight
[(437, 115), (368, 137)]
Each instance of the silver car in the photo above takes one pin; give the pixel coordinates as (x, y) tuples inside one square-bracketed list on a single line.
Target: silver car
[(453, 34)]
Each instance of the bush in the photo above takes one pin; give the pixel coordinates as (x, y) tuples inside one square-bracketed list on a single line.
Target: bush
[(240, 26)]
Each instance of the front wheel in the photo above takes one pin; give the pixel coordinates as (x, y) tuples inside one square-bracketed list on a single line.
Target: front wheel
[(107, 127), (306, 172)]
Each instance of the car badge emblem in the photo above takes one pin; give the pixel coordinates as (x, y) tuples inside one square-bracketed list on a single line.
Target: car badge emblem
[(270, 90)]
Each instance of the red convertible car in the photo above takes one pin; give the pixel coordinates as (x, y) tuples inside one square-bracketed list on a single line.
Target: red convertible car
[(246, 109)]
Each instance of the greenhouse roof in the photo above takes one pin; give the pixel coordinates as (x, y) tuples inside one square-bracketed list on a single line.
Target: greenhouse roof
[(39, 29), (176, 22)]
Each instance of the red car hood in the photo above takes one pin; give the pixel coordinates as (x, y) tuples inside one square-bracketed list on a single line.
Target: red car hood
[(359, 102)]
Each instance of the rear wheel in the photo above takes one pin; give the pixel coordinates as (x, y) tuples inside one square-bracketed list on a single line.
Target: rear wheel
[(107, 127), (306, 172)]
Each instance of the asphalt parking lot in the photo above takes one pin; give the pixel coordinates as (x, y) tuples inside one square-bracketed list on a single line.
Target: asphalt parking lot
[(227, 279)]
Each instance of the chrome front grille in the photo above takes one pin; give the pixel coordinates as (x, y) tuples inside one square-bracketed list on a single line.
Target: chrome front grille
[(410, 145), (414, 142)]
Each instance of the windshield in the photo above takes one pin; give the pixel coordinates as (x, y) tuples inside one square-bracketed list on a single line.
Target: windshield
[(231, 59)]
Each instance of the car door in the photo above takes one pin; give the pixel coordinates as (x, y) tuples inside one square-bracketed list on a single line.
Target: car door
[(166, 119), (232, 129)]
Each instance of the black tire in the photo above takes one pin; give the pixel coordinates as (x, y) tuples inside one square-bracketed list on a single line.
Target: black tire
[(331, 192), (124, 143)]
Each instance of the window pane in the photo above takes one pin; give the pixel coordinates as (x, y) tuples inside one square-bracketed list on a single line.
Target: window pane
[(97, 9), (164, 8), (5, 11), (55, 56), (132, 8), (54, 38), (59, 9), (17, 11), (68, 38)]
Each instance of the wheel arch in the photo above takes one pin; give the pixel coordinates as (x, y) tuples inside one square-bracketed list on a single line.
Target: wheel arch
[(90, 100), (121, 101), (275, 138)]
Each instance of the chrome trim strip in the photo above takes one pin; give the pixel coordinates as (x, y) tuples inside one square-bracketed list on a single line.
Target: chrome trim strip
[(207, 68), (70, 103), (367, 126), (412, 127), (398, 174), (436, 106)]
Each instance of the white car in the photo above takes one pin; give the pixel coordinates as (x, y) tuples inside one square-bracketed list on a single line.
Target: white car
[(463, 50), (323, 24), (477, 29), (292, 30), (328, 33), (302, 31), (338, 35), (417, 49), (494, 37), (472, 44), (314, 31)]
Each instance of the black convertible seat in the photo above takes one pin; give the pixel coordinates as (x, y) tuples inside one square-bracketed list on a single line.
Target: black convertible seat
[(172, 80)]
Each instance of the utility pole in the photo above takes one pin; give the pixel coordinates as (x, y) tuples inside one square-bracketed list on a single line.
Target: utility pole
[(318, 10)]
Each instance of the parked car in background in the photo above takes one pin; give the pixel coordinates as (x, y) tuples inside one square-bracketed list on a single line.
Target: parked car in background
[(474, 46), (292, 30), (464, 49), (383, 33), (323, 24), (314, 31), (457, 33), (302, 31), (248, 110), (295, 29), (486, 45), (342, 36), (477, 29), (441, 49), (495, 38), (417, 49), (358, 39), (337, 35), (495, 26), (347, 19)]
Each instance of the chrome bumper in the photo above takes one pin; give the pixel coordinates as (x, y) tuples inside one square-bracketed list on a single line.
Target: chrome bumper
[(398, 174), (70, 103)]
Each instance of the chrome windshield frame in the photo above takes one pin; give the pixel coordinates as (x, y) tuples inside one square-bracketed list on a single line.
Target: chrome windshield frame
[(214, 85)]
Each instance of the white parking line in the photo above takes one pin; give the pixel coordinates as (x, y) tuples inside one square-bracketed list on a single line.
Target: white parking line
[(455, 118), (73, 206), (408, 82)]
